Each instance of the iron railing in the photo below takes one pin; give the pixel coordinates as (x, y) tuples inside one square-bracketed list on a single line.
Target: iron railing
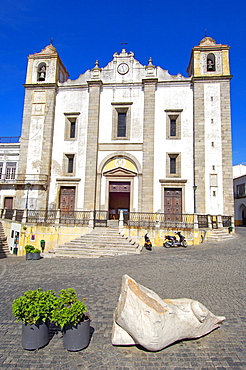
[(240, 195), (226, 221), (30, 179), (137, 219), (100, 218), (78, 218), (162, 220), (41, 216), (202, 221)]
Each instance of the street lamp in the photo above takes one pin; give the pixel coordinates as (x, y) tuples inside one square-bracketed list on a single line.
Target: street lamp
[(194, 189), (28, 185)]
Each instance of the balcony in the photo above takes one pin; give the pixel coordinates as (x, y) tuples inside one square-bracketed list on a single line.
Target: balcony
[(19, 179), (240, 195)]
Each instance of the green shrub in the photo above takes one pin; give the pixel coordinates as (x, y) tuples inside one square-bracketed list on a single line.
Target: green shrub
[(29, 248), (35, 306), (35, 251), (69, 310)]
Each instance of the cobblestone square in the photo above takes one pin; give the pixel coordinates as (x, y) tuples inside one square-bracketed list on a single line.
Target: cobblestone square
[(212, 273)]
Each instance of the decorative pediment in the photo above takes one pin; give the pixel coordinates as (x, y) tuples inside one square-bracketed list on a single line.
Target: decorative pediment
[(119, 172)]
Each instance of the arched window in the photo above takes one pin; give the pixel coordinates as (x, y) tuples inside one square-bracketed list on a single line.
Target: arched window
[(210, 62), (41, 72)]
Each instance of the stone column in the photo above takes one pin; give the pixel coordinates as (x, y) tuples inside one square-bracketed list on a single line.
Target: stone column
[(147, 200), (199, 147), (92, 145)]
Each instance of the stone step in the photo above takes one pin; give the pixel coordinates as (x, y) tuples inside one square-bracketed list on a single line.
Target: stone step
[(4, 248), (99, 242), (90, 252), (96, 246), (217, 235)]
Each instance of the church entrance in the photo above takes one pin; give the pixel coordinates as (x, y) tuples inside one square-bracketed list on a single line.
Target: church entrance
[(119, 198), (173, 203), (67, 200)]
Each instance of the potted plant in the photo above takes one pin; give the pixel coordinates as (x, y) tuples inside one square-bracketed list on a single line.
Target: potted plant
[(69, 314), (36, 254), (34, 310), (32, 253), (29, 249)]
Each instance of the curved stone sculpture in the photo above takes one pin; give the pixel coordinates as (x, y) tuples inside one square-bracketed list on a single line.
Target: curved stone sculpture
[(142, 317)]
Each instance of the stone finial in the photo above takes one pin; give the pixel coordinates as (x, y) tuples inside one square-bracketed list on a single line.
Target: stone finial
[(95, 72), (150, 68)]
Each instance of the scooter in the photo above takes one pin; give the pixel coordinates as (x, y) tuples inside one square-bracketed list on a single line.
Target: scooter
[(147, 244), (172, 241)]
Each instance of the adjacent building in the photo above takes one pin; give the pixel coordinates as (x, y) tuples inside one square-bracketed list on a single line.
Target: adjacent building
[(239, 184)]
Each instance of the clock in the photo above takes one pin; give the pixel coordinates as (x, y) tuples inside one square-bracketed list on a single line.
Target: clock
[(123, 68)]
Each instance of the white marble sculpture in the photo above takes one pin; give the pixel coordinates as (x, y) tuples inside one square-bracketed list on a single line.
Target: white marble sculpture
[(142, 317)]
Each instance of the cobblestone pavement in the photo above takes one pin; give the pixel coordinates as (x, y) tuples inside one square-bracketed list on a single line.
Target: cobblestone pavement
[(212, 273)]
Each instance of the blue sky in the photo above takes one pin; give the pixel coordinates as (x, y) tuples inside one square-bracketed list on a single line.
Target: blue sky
[(84, 31)]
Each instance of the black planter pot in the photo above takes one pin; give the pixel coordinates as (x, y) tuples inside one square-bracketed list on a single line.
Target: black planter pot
[(76, 337), (35, 336), (28, 256), (36, 256)]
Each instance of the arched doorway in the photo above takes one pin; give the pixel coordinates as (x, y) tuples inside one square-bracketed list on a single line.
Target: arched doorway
[(242, 214), (119, 198), (120, 184)]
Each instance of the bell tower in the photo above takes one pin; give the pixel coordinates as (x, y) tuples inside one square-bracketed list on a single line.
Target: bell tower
[(209, 69), (45, 71), (209, 59), (45, 67)]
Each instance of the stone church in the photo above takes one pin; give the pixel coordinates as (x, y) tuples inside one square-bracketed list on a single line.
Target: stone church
[(128, 136)]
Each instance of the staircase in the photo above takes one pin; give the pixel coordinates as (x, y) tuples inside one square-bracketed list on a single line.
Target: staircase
[(4, 248), (100, 242), (218, 235)]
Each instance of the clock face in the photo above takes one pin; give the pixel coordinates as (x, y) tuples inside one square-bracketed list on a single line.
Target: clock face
[(123, 68)]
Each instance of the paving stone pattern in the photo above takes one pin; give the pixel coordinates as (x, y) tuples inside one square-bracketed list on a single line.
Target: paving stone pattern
[(212, 273)]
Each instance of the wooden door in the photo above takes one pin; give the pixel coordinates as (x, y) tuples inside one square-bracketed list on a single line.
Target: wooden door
[(8, 202), (173, 203), (67, 199), (119, 198)]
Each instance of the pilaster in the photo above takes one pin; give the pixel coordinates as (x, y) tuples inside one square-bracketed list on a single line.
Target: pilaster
[(92, 145), (147, 199), (199, 147), (226, 148)]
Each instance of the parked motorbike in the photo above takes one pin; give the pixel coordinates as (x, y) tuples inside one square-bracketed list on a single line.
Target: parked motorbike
[(147, 244), (172, 242)]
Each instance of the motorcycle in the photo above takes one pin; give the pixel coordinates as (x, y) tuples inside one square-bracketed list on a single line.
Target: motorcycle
[(172, 242), (147, 244)]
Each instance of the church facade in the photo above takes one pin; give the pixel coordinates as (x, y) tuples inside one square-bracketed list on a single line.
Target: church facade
[(128, 136)]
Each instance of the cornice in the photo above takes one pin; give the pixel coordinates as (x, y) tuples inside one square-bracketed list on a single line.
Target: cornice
[(209, 78), (41, 85), (150, 80)]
